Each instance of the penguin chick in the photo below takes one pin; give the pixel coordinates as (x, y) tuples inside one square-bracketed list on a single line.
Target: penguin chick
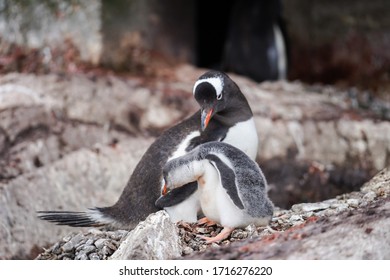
[(232, 189)]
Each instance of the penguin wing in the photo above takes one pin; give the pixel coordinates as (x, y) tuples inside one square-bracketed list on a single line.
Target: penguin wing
[(228, 179), (176, 195)]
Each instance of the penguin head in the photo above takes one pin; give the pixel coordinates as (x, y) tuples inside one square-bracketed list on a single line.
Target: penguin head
[(214, 92), (174, 172)]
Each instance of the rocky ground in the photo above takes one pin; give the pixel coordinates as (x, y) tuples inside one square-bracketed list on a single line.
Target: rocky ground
[(357, 221), (69, 142)]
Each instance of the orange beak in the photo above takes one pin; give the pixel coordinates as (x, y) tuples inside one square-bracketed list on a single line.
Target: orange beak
[(164, 190), (205, 118)]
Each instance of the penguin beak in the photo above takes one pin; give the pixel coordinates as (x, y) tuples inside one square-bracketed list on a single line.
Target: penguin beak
[(206, 117), (164, 190)]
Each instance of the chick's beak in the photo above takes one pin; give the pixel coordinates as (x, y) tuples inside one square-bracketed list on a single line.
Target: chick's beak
[(164, 190), (206, 117)]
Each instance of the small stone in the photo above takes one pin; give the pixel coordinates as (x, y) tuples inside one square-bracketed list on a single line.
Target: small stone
[(353, 202), (239, 234), (202, 230), (56, 249), (106, 251), (202, 247), (340, 206), (87, 249), (370, 196), (251, 230), (71, 244), (90, 241), (100, 243), (308, 207), (308, 214), (68, 247), (329, 212), (81, 256), (67, 238), (95, 231), (295, 218), (187, 250), (112, 245), (66, 256), (94, 256)]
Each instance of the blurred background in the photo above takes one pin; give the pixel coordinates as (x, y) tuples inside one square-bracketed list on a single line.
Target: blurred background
[(345, 42), (87, 85), (319, 44)]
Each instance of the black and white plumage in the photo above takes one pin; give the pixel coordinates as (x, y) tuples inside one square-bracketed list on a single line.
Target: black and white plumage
[(232, 189), (223, 103), (225, 115)]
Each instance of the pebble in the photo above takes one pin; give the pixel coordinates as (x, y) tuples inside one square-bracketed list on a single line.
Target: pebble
[(81, 256), (308, 207), (203, 230), (369, 196), (94, 256), (68, 247), (187, 250), (251, 230), (100, 243), (90, 242), (87, 249), (295, 218), (239, 234), (340, 206), (107, 251), (353, 202)]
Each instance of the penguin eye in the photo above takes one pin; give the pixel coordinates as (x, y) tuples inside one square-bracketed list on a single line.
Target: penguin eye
[(219, 96)]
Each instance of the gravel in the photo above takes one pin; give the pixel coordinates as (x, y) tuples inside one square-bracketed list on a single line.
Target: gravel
[(92, 245)]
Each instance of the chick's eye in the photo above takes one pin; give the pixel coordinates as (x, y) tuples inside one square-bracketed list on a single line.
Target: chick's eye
[(219, 96)]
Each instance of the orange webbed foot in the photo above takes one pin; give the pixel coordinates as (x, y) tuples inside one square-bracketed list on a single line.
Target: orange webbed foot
[(206, 221)]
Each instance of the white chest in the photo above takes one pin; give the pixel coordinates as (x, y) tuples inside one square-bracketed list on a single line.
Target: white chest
[(244, 137), (209, 185)]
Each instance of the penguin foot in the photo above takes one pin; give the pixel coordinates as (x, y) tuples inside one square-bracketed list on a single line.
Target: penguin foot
[(206, 221), (184, 225), (219, 237)]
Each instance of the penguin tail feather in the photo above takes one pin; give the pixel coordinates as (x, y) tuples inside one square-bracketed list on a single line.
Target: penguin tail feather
[(90, 218)]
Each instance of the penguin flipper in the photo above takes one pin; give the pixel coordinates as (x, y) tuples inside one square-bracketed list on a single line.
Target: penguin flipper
[(228, 179), (71, 218), (176, 195)]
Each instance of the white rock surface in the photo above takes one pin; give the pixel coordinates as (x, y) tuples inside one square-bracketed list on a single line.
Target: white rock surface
[(156, 238)]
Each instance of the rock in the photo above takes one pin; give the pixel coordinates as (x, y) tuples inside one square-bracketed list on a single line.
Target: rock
[(66, 184), (353, 202), (308, 207), (72, 243), (36, 24), (156, 238)]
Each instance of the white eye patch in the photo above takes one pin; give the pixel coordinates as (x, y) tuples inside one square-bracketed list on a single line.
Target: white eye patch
[(216, 82)]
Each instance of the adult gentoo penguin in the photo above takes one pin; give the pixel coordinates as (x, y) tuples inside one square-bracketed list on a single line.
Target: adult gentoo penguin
[(224, 115), (232, 188)]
